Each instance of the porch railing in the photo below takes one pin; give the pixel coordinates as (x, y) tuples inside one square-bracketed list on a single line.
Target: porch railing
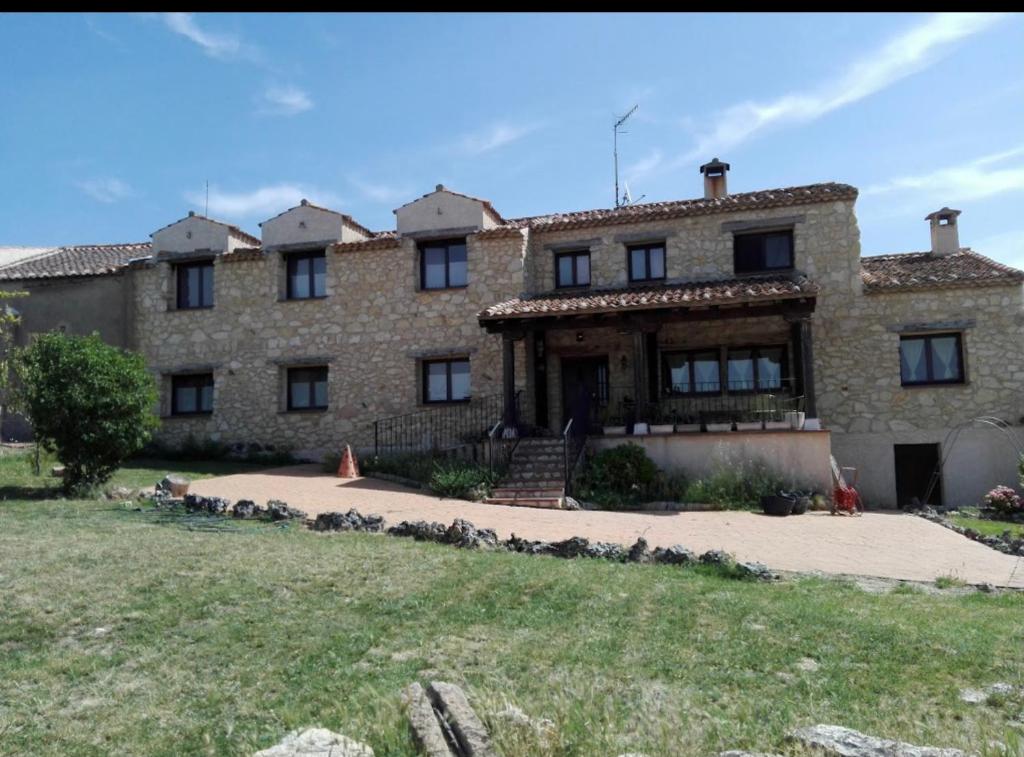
[(701, 404), (438, 428), (574, 440), (502, 441)]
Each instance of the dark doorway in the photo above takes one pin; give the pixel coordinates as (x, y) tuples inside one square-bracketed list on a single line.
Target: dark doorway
[(584, 390), (916, 464)]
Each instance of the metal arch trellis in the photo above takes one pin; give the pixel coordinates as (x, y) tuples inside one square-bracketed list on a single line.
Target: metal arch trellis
[(953, 435)]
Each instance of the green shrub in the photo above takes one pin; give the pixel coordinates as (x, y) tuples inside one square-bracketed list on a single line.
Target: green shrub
[(418, 466), (90, 403), (735, 487), (624, 477), (462, 480)]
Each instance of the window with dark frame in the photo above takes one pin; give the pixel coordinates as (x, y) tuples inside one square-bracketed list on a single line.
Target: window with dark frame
[(764, 251), (307, 275), (192, 394), (931, 359), (443, 264), (572, 269), (747, 369), (446, 380), (194, 285), (646, 261), (307, 388)]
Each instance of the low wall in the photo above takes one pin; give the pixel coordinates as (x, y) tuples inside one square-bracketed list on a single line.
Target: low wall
[(800, 457)]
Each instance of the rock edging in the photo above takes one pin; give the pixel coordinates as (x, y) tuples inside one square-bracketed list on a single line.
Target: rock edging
[(1009, 546)]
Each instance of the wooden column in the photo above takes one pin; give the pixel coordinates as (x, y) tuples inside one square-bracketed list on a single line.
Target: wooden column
[(803, 352), (640, 374), (508, 365)]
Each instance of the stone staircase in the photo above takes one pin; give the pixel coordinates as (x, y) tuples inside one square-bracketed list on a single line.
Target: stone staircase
[(535, 476)]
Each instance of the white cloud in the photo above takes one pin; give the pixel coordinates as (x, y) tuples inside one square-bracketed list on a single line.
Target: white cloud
[(1006, 247), (107, 190), (643, 166), (265, 201), (976, 179), (284, 101), (901, 56), (213, 44), (384, 193), (495, 136)]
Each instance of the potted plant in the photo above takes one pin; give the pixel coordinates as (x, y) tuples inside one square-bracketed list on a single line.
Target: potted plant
[(780, 504), (749, 424), (795, 419), (687, 423), (718, 422), (657, 418)]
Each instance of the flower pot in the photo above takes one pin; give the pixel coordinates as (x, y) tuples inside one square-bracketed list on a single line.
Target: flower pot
[(719, 427), (683, 428), (748, 425), (641, 429), (776, 504), (662, 428), (801, 505), (612, 430), (796, 419)]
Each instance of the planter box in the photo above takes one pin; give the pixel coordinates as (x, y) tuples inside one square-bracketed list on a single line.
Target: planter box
[(662, 428), (612, 430), (796, 420), (719, 427), (641, 429), (685, 428), (777, 425), (748, 426)]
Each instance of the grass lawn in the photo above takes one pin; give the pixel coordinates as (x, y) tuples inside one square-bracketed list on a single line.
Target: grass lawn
[(126, 632), (988, 527)]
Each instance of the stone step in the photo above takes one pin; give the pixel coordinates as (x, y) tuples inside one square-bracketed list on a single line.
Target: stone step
[(548, 503), (544, 492), (531, 484)]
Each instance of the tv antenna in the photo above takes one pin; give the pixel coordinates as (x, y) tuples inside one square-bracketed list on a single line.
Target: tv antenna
[(615, 131)]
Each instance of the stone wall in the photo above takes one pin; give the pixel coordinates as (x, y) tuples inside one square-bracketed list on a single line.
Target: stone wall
[(371, 331)]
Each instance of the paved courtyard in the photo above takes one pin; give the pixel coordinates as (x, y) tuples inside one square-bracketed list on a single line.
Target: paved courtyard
[(885, 545)]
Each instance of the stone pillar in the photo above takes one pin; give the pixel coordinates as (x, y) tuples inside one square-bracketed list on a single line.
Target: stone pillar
[(640, 374), (508, 363)]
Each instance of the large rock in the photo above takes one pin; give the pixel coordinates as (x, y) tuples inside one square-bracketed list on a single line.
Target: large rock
[(316, 742), (469, 731), (353, 520), (677, 555), (425, 729), (420, 530), (464, 534), (211, 505), (278, 510), (836, 741)]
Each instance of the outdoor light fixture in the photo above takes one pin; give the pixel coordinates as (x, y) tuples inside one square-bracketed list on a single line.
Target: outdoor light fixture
[(579, 336)]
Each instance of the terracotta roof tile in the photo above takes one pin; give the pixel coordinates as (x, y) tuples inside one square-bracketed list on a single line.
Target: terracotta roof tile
[(924, 270), (381, 240), (767, 198), (240, 254), (76, 260), (692, 294)]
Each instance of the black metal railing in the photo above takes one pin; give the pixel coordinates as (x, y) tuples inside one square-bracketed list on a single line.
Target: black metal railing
[(702, 404), (438, 428), (574, 440), (502, 441)]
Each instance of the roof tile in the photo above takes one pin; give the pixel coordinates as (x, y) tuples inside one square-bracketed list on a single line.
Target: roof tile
[(76, 260), (910, 271)]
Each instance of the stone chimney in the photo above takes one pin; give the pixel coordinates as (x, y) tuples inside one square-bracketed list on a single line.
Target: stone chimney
[(945, 238), (714, 179)]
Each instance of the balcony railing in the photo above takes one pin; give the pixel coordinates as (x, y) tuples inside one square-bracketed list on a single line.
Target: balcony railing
[(702, 404), (438, 428)]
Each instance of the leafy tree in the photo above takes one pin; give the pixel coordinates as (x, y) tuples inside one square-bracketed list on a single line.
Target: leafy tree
[(8, 319), (90, 403)]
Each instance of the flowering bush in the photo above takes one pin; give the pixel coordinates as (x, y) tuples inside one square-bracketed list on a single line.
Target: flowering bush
[(1004, 500)]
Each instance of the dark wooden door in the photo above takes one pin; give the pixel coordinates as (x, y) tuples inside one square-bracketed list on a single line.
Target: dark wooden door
[(915, 466), (584, 390)]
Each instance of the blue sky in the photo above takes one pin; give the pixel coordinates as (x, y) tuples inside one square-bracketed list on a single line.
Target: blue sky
[(112, 124)]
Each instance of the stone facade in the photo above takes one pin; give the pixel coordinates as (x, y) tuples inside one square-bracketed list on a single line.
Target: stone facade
[(376, 325)]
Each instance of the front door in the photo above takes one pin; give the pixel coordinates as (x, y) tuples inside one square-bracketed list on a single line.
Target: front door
[(584, 390), (916, 464)]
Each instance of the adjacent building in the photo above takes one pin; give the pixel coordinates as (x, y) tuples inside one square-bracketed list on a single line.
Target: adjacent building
[(727, 311)]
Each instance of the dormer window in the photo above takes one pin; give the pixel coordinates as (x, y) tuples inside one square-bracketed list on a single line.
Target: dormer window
[(195, 285), (307, 275), (763, 252), (443, 264)]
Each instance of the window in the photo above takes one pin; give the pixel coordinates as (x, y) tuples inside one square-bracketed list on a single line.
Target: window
[(307, 388), (692, 372), (307, 275), (759, 369), (443, 264), (755, 253), (931, 359), (192, 394), (195, 285), (572, 269), (446, 380), (646, 262)]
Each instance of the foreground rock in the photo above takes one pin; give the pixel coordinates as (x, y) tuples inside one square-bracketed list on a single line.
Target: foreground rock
[(195, 503), (316, 742), (741, 753), (834, 740), (426, 730), (278, 510), (979, 696), (353, 520), (470, 733)]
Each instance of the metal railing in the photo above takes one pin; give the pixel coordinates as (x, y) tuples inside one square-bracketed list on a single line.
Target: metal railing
[(701, 404), (438, 428), (502, 441), (574, 441)]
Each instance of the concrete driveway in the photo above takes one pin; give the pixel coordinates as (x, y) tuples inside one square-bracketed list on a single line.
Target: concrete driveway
[(886, 545)]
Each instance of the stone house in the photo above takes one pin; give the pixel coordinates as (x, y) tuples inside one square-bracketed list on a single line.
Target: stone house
[(700, 328)]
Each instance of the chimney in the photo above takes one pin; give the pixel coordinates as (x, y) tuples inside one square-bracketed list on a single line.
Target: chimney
[(714, 179), (945, 238)]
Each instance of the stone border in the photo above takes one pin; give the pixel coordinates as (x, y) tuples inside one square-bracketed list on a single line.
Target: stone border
[(1013, 547)]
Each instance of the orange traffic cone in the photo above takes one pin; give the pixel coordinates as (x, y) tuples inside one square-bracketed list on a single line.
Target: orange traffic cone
[(349, 467)]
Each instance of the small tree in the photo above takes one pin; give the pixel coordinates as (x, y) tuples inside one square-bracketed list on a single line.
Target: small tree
[(89, 402)]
